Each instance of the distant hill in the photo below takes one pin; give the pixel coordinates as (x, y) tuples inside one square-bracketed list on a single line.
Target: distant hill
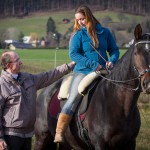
[(121, 24)]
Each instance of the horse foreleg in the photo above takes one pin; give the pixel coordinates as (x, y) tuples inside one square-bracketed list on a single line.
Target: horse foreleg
[(44, 142), (41, 134), (39, 141)]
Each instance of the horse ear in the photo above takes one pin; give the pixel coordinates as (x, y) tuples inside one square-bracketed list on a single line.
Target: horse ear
[(138, 32)]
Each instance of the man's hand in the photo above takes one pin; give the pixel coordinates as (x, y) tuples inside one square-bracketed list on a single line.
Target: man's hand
[(3, 145), (71, 65)]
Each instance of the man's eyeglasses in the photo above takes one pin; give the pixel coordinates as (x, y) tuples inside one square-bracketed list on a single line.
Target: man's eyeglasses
[(17, 60)]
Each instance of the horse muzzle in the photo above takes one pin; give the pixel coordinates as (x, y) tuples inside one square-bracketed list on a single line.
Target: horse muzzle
[(145, 83)]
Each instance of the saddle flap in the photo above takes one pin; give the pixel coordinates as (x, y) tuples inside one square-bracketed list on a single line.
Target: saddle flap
[(87, 97)]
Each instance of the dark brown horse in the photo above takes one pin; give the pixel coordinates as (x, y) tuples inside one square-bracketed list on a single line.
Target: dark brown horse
[(112, 120)]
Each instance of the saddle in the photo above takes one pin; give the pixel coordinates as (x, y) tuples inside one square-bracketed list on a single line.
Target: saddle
[(87, 97), (85, 88), (82, 87)]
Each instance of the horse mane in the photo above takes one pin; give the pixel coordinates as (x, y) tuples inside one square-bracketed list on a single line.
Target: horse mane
[(123, 65)]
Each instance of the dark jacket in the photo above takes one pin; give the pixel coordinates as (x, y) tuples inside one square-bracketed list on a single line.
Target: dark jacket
[(18, 99)]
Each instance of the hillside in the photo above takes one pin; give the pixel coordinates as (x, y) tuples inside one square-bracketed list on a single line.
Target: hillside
[(36, 23)]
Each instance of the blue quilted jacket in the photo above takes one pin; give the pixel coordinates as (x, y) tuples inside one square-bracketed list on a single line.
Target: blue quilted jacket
[(86, 58)]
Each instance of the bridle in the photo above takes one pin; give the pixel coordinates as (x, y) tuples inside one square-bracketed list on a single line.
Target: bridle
[(140, 74)]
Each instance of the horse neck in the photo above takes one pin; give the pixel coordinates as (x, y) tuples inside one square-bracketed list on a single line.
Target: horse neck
[(124, 69)]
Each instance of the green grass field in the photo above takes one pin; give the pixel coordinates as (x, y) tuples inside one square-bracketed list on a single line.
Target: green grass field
[(35, 61), (42, 60)]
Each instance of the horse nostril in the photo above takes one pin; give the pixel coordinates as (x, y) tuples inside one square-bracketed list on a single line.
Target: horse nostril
[(146, 85)]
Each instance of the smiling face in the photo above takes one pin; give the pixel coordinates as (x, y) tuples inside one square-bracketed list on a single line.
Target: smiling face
[(80, 18)]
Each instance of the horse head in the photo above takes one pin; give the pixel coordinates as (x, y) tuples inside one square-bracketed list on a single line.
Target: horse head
[(142, 57)]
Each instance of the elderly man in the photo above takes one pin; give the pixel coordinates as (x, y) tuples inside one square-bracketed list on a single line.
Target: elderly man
[(18, 91)]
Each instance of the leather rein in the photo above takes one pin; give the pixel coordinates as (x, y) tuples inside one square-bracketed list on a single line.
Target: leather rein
[(116, 82)]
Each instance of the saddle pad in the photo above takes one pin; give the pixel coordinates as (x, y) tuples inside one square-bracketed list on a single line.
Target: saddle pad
[(84, 84), (54, 107), (65, 87), (86, 81)]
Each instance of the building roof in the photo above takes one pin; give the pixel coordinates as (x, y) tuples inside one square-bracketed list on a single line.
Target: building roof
[(21, 45)]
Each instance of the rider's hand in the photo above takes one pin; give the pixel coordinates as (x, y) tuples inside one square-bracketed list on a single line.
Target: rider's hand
[(98, 68), (3, 145), (109, 64)]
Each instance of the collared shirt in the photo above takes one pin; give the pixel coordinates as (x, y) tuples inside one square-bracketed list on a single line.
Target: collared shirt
[(15, 76)]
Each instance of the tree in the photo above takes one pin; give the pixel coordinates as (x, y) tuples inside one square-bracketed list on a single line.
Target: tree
[(51, 27), (20, 37), (14, 7), (3, 37)]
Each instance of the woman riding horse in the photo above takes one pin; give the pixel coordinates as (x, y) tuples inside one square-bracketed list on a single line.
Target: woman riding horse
[(88, 33), (112, 120)]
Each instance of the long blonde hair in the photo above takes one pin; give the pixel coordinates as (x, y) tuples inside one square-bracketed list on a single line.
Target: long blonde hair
[(91, 21)]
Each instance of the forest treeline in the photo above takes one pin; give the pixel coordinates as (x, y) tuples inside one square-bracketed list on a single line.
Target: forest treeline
[(24, 7)]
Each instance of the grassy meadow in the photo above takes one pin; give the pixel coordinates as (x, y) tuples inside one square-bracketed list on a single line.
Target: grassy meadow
[(35, 61)]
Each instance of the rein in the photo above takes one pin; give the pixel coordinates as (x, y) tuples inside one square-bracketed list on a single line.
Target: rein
[(125, 81)]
